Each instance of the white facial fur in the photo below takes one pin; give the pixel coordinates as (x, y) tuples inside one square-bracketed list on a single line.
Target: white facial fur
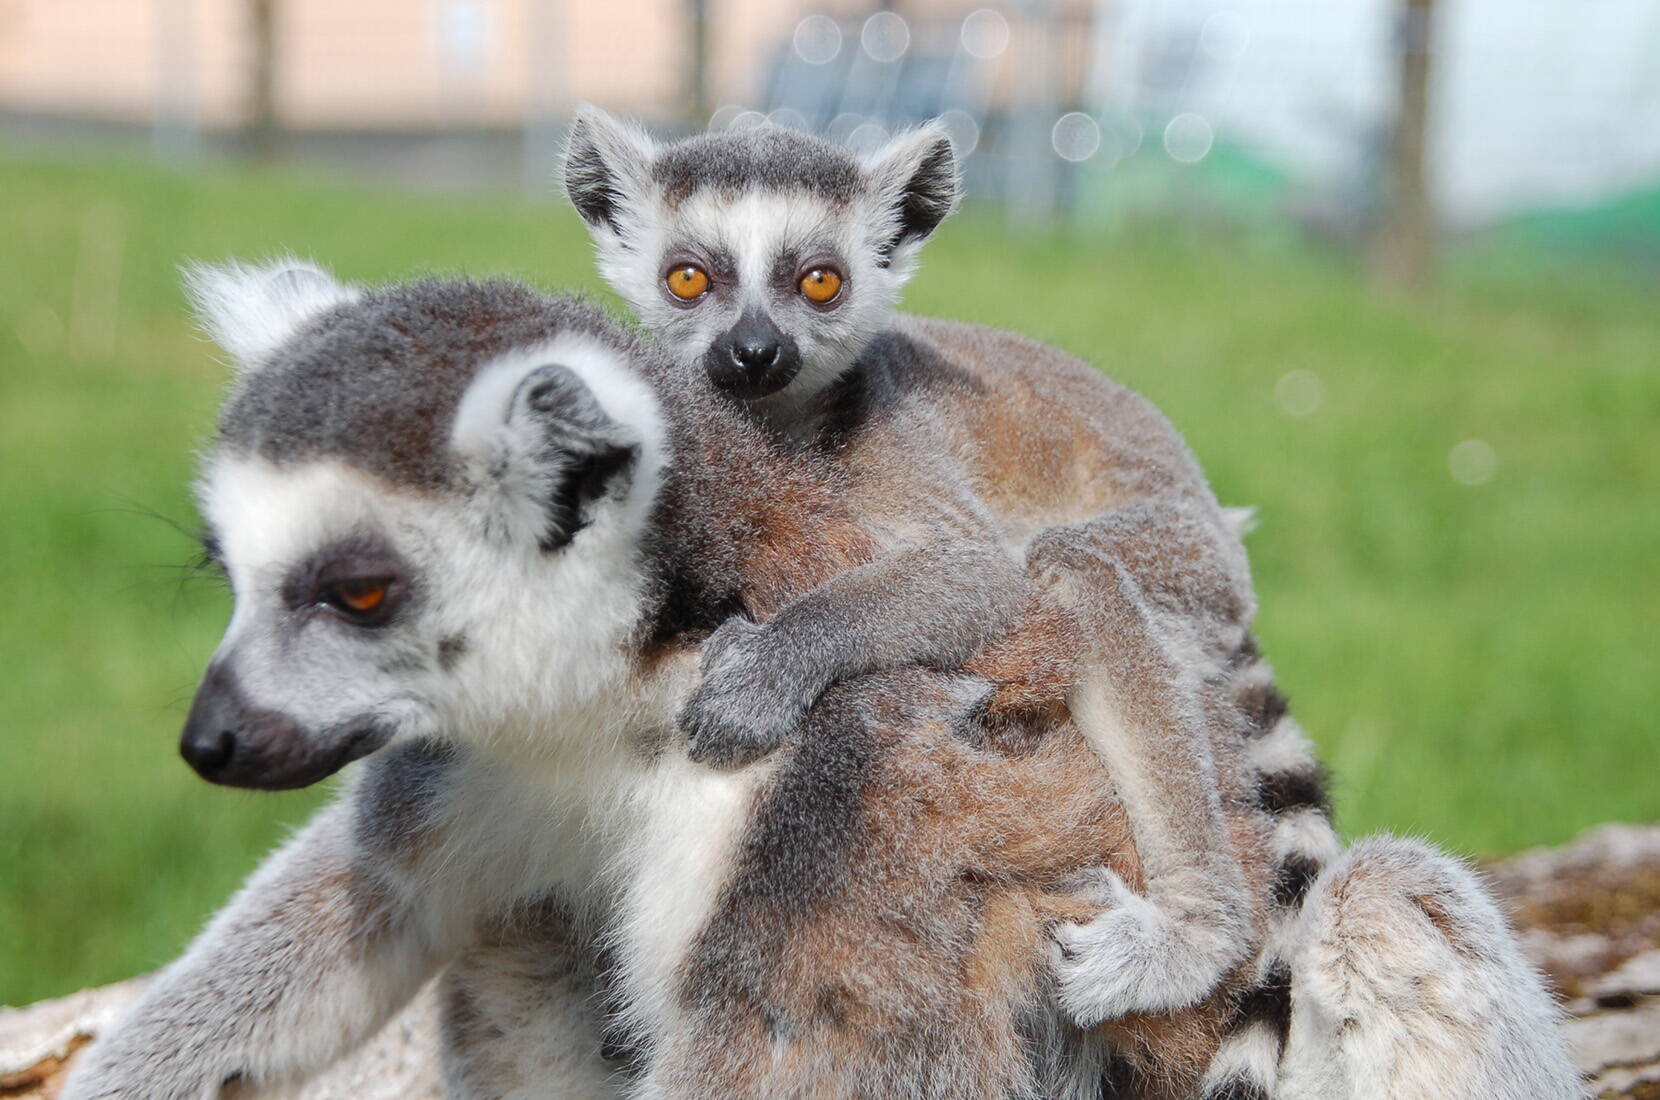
[(540, 637), (754, 243), (752, 231)]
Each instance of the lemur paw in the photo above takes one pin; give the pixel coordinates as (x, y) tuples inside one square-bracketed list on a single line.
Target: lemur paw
[(743, 709), (1136, 956)]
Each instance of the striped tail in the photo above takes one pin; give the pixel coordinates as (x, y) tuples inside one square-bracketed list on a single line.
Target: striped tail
[(1292, 788)]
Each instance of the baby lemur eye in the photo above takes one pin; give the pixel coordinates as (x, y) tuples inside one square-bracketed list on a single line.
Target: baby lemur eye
[(688, 282), (821, 285), (361, 599)]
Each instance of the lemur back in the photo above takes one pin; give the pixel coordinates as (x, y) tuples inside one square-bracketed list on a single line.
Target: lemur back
[(769, 261)]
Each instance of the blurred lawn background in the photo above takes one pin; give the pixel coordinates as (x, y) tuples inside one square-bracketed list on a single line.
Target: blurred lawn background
[(1477, 661)]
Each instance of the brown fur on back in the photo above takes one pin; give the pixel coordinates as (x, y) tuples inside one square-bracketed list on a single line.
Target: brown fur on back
[(884, 931), (886, 924)]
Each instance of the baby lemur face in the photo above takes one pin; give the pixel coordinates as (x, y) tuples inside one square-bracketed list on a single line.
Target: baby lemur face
[(429, 502), (766, 257)]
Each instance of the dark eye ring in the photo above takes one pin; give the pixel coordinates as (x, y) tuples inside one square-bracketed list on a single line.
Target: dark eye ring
[(366, 601)]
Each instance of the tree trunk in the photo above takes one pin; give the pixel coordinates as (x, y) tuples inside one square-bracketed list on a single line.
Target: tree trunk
[(263, 129), (1403, 253), (697, 63)]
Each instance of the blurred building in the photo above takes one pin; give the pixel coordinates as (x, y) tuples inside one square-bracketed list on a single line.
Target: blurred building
[(371, 64), (1093, 106)]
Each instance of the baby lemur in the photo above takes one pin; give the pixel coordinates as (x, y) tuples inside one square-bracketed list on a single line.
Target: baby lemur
[(473, 534), (771, 261)]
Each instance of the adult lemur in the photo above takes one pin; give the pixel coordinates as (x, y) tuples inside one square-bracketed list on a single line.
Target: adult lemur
[(470, 531), (771, 260)]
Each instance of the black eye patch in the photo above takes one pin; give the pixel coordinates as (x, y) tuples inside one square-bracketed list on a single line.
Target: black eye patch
[(360, 579)]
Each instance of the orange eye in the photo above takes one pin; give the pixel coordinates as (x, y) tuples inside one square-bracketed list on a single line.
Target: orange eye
[(821, 285), (688, 282), (360, 597)]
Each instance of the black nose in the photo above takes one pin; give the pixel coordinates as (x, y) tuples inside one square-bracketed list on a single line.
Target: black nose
[(209, 751), (755, 355), (754, 358)]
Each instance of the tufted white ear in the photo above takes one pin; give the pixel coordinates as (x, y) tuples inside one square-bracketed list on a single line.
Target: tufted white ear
[(546, 432), (250, 309), (607, 168), (914, 179)]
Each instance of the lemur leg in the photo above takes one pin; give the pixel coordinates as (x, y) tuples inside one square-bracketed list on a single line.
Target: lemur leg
[(521, 1015), (1406, 980), (310, 958), (933, 605), (1158, 606)]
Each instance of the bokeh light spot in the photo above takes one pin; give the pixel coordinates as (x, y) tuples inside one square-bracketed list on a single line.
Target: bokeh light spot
[(842, 126), (1473, 462), (723, 116), (789, 118), (866, 138), (818, 39), (964, 131), (1188, 138), (886, 36), (1075, 136), (985, 34), (1299, 393)]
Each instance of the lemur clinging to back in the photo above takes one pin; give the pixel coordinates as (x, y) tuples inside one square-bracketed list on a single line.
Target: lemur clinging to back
[(470, 539), (772, 261)]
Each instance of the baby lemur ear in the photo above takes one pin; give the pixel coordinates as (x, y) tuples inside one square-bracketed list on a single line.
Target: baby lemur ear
[(914, 178), (607, 168), (251, 309), (548, 453)]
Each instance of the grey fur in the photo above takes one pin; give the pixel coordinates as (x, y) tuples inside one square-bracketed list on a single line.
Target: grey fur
[(505, 837), (370, 384), (1408, 981), (773, 157)]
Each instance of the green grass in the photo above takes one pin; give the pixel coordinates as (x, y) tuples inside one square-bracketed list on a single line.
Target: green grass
[(1477, 663)]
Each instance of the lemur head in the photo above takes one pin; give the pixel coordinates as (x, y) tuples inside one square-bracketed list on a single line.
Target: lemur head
[(429, 501), (766, 256)]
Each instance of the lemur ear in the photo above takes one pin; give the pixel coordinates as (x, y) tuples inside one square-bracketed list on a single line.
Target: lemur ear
[(607, 167), (549, 450), (914, 178), (250, 309)]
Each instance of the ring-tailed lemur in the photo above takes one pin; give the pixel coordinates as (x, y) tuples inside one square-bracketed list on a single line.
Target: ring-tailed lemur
[(771, 261), (468, 539)]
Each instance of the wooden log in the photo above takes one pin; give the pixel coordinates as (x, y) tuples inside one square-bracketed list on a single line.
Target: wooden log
[(1588, 914)]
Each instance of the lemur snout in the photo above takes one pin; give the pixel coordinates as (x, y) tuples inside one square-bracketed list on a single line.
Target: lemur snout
[(208, 750), (754, 358), (231, 742)]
